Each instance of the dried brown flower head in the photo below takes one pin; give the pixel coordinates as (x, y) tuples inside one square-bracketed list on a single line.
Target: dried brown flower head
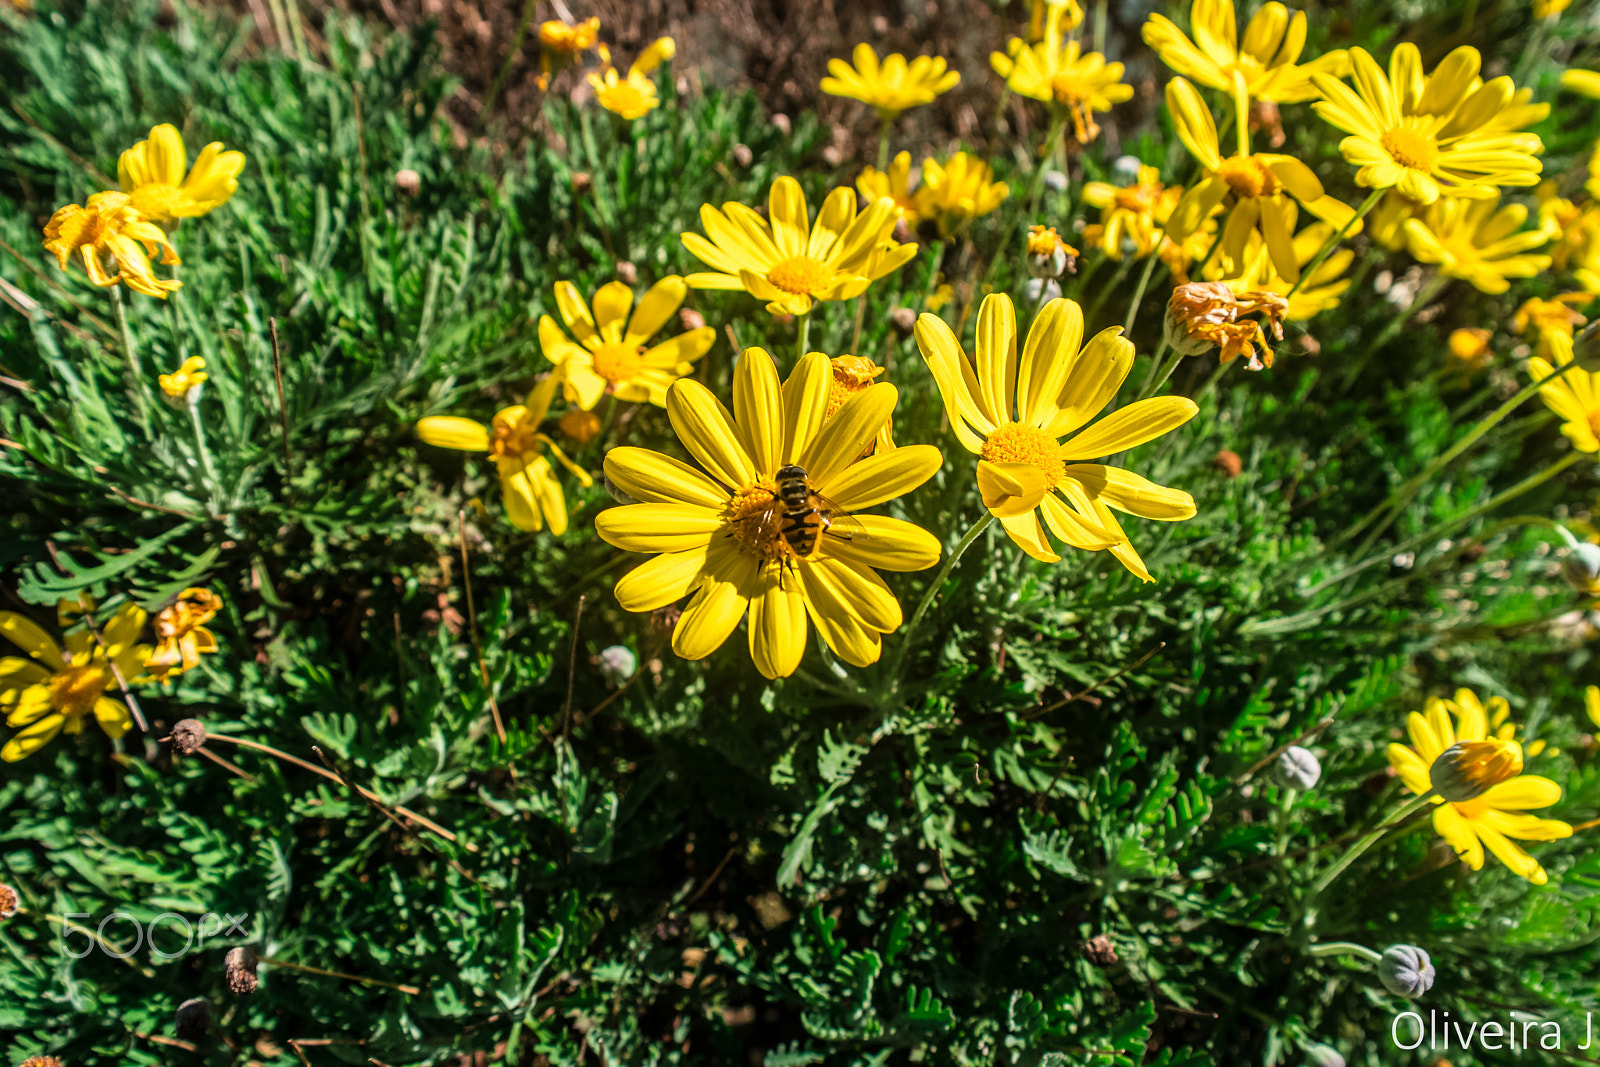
[(187, 736), (1203, 315), (8, 902), (239, 969)]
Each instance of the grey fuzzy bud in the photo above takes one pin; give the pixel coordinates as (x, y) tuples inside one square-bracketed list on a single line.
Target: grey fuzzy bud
[(1319, 1055), (1055, 181), (1586, 347), (1581, 569), (742, 155), (1406, 971), (618, 664), (1297, 768), (1031, 288)]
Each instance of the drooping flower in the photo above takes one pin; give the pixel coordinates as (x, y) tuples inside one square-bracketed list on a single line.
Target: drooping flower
[(532, 495), (610, 355), (892, 86), (959, 190), (1478, 241), (1203, 315), (790, 262), (152, 173), (183, 385), (894, 183), (1267, 63), (1575, 396), (181, 633), (634, 96), (1055, 389), (719, 531), (560, 45), (851, 375), (1074, 83), (1428, 135), (60, 685), (107, 230), (1317, 293), (1543, 317), (1463, 760)]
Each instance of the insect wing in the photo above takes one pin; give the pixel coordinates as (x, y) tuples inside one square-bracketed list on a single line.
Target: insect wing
[(838, 523)]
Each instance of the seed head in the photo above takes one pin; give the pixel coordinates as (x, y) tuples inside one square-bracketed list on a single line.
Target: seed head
[(1228, 463), (627, 273), (1099, 951), (1581, 569), (239, 969), (193, 1019), (618, 664), (187, 736)]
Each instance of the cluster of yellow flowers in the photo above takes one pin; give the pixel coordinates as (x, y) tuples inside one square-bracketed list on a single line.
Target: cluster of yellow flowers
[(631, 95)]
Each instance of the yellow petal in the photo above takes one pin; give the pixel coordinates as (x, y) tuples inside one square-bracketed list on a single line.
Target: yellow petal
[(805, 403), (1048, 358), (31, 638), (651, 477), (659, 303), (1127, 491), (658, 527), (845, 436), (662, 580), (718, 604), (31, 740), (1128, 427), (447, 431), (1028, 535), (997, 355), (778, 628), (706, 429), (611, 303), (883, 477), (957, 383), (887, 544), (1459, 834), (575, 313), (786, 210), (1010, 489), (1092, 379), (758, 409), (1521, 793)]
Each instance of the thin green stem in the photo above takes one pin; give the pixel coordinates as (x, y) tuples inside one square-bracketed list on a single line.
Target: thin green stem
[(1333, 240), (1346, 948), (937, 584), (1154, 380), (1035, 187), (1354, 852), (884, 121), (803, 336), (132, 370), (1138, 294), (512, 53)]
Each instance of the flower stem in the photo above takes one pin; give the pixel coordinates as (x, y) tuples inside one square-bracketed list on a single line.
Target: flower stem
[(1153, 380), (1365, 842), (1346, 948), (1138, 294), (883, 141), (1333, 239), (132, 370), (803, 336), (937, 584), (267, 961)]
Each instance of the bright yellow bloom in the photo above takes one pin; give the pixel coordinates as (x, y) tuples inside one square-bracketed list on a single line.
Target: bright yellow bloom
[(107, 228), (1265, 64), (1062, 75), (958, 190), (60, 686), (720, 534), (893, 85), (1133, 220), (1442, 133), (1478, 241), (191, 375), (610, 355), (1575, 396), (894, 183), (1257, 190), (1543, 9), (790, 262), (1498, 811), (1471, 347), (560, 45), (181, 633), (634, 96), (1024, 468), (1317, 293), (532, 494), (152, 174)]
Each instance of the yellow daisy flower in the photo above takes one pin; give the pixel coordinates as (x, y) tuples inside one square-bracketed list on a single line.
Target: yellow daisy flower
[(182, 385), (894, 183), (181, 633), (719, 532), (893, 85), (1575, 396), (1257, 190), (1485, 797), (1478, 241), (1470, 346), (1544, 317), (1134, 215), (1427, 135), (634, 96), (1266, 63), (1577, 230), (958, 190), (1544, 9), (1317, 293), (1071, 16), (152, 174), (610, 355), (1024, 468), (560, 45), (60, 685), (532, 494), (1062, 75), (791, 262), (107, 229)]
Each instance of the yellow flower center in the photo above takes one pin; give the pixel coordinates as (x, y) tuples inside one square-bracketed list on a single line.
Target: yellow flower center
[(74, 691), (517, 440), (754, 520), (1467, 769), (617, 362), (1248, 176), (1410, 148), (801, 275), (1015, 443)]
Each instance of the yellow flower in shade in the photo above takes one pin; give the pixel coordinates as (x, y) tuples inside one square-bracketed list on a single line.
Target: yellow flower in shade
[(1478, 241), (1545, 317), (1062, 75), (1055, 389), (791, 262), (1266, 64), (1577, 230), (1582, 82), (894, 183), (181, 633), (579, 426), (153, 175), (1575, 396), (1465, 761), (610, 355), (1428, 135), (718, 531), (891, 86), (1386, 223), (634, 96), (107, 229), (560, 45), (1133, 221), (1071, 17), (1317, 293), (182, 386), (1257, 190), (959, 190), (61, 685), (1503, 729), (532, 494), (1471, 347), (852, 375), (941, 296)]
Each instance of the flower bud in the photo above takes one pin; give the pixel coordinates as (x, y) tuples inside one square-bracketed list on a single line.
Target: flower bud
[(1055, 181), (1467, 769), (781, 121), (1581, 569), (742, 155), (1125, 169), (1406, 971), (618, 664), (193, 1019), (690, 319), (408, 183), (239, 968), (1586, 347), (627, 273), (904, 320), (1033, 286), (1048, 255), (187, 736), (1228, 463), (1319, 1055), (581, 182), (1297, 768)]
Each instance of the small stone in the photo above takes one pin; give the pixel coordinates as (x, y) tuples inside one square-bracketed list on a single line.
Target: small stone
[(904, 320), (1228, 463), (408, 183), (742, 155), (239, 969), (1099, 951), (187, 736)]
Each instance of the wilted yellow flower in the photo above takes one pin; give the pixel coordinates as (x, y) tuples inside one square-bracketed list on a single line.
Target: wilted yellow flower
[(561, 43), (893, 85), (790, 262), (1464, 761), (1062, 75), (108, 228), (1048, 254), (958, 190), (1316, 293), (610, 354), (182, 385), (1267, 63), (532, 494), (1551, 316), (181, 633), (1428, 135), (634, 96), (1575, 396), (1478, 241), (894, 183), (1205, 315), (152, 173)]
